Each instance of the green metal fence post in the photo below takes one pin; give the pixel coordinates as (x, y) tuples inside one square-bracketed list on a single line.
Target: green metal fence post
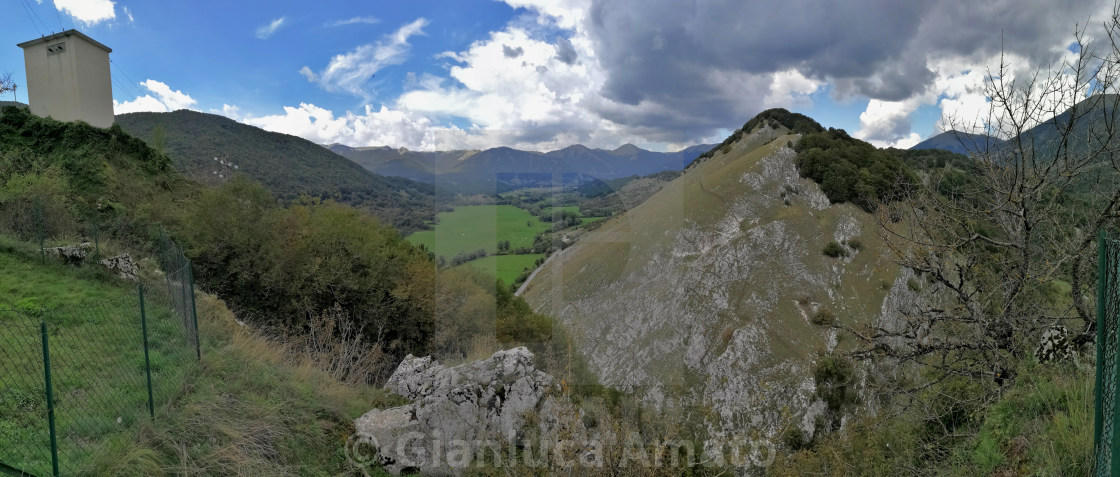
[(1102, 278), (50, 399), (194, 312), (147, 360), (1114, 340)]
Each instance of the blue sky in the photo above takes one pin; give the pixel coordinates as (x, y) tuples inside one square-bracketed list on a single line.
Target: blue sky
[(537, 74)]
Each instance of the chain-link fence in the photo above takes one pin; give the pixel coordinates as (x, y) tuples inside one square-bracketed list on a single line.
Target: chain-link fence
[(1107, 425), (73, 380)]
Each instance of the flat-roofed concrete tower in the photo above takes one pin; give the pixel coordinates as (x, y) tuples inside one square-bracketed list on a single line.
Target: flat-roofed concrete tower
[(68, 78)]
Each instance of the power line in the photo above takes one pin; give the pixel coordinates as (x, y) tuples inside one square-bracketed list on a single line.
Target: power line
[(120, 70), (32, 9), (59, 16), (125, 88), (32, 20)]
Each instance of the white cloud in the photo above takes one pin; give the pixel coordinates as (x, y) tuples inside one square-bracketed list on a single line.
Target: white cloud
[(266, 30), (351, 71), (89, 12), (320, 125), (353, 21), (886, 123), (230, 111), (790, 87), (128, 13), (141, 104), (165, 100), (307, 73), (964, 102)]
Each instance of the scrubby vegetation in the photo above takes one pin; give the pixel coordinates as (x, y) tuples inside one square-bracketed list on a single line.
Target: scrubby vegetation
[(835, 250), (850, 170)]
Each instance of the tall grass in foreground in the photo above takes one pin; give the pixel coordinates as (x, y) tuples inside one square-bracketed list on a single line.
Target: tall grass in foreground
[(252, 407)]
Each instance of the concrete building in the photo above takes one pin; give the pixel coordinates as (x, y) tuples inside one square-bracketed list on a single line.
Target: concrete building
[(68, 78)]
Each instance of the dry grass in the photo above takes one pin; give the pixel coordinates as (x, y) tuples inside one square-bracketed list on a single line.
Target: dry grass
[(256, 406)]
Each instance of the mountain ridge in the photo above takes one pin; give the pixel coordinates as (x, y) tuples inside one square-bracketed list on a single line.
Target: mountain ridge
[(958, 142), (492, 168)]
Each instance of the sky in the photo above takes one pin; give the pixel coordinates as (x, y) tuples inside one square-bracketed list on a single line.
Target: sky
[(542, 75)]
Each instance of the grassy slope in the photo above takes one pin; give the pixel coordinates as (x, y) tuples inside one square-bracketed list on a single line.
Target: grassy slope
[(96, 354), (248, 408), (26, 279), (470, 228)]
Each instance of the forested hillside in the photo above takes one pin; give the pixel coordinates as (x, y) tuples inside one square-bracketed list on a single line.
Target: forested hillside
[(211, 149)]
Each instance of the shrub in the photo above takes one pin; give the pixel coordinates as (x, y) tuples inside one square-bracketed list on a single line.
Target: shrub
[(836, 386), (823, 317), (796, 439), (913, 285), (855, 244), (835, 250)]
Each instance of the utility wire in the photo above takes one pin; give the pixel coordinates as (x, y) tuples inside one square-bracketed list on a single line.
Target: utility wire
[(32, 9), (59, 16), (32, 20), (132, 82)]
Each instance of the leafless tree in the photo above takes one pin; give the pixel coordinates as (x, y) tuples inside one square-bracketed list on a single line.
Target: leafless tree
[(7, 84), (995, 247)]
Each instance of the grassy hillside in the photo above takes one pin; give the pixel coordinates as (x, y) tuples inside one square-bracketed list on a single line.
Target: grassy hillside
[(251, 406), (204, 145)]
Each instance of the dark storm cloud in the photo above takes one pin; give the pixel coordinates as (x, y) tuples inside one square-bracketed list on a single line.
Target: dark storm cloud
[(565, 52), (512, 52), (664, 52)]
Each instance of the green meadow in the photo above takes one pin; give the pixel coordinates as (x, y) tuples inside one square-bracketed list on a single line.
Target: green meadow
[(505, 267), (469, 228)]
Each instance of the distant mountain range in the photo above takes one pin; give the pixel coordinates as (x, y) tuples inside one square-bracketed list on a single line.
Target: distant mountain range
[(212, 148), (958, 142), (503, 168)]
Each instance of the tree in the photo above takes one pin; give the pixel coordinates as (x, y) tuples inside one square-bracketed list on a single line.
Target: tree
[(7, 84), (999, 250)]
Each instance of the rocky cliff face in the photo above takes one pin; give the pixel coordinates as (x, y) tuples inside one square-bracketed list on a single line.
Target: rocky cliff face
[(704, 294)]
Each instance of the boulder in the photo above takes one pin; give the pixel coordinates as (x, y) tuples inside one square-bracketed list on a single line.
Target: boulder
[(72, 254), (454, 410), (122, 265), (1055, 345)]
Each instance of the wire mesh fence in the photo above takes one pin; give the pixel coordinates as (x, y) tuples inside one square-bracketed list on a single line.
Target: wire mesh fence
[(75, 379), (1107, 425)]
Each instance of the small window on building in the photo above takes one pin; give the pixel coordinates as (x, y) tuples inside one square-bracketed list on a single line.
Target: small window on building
[(56, 48)]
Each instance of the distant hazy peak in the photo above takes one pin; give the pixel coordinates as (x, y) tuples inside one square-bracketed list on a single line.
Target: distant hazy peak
[(627, 149)]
